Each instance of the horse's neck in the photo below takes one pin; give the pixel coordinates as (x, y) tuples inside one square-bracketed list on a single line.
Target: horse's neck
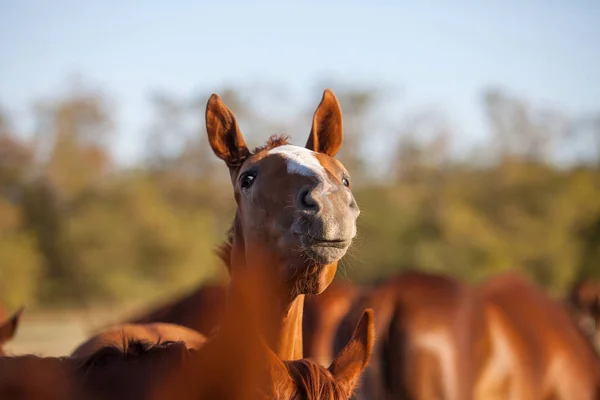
[(277, 318), (288, 342), (254, 288)]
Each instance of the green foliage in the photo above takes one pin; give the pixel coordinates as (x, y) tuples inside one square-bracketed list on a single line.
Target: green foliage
[(75, 229), (478, 224)]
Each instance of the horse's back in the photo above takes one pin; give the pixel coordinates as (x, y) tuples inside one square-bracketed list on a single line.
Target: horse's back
[(200, 310), (546, 355), (119, 336), (426, 329)]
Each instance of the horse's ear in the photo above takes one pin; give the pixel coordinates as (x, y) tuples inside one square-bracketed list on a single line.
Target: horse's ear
[(354, 357), (224, 134), (327, 131), (9, 328), (280, 376), (595, 309)]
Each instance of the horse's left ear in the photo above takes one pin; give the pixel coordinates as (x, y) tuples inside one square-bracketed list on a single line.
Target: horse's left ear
[(9, 328), (327, 131), (354, 357), (224, 135), (596, 306)]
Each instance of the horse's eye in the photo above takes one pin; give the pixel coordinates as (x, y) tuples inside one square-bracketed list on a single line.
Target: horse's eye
[(247, 180), (345, 181)]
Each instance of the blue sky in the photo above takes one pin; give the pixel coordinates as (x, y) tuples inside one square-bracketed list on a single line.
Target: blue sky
[(439, 53)]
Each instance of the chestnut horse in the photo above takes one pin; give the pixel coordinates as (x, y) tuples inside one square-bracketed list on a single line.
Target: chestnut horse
[(118, 336), (268, 377), (143, 370), (429, 330), (202, 309), (322, 314), (296, 215), (536, 350), (584, 301), (8, 328)]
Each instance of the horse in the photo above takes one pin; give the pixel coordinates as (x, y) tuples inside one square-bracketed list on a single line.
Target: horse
[(322, 314), (119, 335), (201, 309), (295, 217), (429, 329), (537, 351), (265, 375), (290, 240), (8, 329), (584, 301), (161, 371)]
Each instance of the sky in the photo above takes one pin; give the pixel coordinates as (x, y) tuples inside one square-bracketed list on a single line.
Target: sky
[(440, 53)]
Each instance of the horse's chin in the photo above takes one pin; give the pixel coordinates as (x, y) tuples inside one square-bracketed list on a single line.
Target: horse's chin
[(325, 254), (313, 278)]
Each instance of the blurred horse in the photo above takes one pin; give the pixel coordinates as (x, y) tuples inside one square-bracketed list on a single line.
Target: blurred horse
[(201, 309), (8, 328), (430, 331), (536, 350), (584, 301), (260, 374), (322, 315), (120, 335), (235, 364)]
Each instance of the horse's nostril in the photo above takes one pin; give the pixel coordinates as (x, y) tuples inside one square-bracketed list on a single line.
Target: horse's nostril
[(307, 202)]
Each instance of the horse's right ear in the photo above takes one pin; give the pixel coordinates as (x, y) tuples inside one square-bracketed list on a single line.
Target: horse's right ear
[(354, 357), (327, 132), (224, 134), (9, 328)]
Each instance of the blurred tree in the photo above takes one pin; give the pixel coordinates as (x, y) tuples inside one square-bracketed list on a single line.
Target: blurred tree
[(79, 129), (520, 130), (76, 229), (20, 263)]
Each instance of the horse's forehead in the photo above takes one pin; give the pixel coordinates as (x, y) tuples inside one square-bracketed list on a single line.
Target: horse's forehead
[(300, 160)]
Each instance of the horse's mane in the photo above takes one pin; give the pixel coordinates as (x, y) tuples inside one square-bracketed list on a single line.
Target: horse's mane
[(312, 381), (272, 142), (136, 351)]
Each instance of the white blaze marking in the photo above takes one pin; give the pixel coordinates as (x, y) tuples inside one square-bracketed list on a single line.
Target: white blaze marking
[(303, 161), (300, 160)]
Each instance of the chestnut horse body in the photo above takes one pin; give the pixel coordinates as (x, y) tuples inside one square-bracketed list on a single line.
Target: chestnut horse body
[(201, 310), (430, 343), (584, 302), (166, 371), (8, 328), (118, 336), (322, 315), (234, 364), (536, 350)]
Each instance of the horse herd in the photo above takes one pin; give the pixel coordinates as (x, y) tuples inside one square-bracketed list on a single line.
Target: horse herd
[(283, 329)]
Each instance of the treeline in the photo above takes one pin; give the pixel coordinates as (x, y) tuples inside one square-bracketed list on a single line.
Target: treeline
[(77, 229)]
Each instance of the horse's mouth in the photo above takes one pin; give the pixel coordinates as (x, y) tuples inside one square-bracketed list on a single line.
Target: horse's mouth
[(338, 243), (324, 251), (313, 241)]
